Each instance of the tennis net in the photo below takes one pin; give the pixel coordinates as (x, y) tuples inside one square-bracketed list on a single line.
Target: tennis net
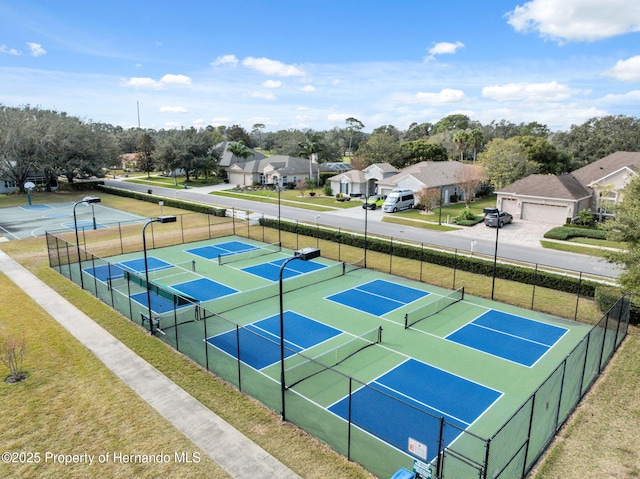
[(309, 367), (433, 308), (256, 252)]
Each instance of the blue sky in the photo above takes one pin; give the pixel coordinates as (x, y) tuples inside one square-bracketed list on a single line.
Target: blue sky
[(302, 64)]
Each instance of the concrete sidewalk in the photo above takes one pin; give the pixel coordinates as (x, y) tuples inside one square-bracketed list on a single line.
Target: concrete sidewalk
[(234, 452)]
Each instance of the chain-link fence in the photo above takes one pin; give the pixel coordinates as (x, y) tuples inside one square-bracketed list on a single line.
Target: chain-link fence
[(186, 326)]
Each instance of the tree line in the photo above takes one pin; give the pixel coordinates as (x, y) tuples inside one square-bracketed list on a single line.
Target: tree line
[(56, 144)]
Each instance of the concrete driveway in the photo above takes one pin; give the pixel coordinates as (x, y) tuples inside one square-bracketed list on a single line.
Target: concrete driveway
[(520, 232)]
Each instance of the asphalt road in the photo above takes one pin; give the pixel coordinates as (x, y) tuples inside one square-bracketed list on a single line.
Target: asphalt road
[(354, 219)]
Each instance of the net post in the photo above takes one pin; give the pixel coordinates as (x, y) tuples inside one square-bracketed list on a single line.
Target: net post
[(193, 265), (406, 320), (379, 334)]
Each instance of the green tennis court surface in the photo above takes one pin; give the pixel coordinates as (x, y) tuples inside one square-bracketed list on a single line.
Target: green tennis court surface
[(35, 220), (397, 362)]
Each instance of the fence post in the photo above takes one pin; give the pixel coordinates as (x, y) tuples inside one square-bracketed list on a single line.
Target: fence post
[(390, 254), (349, 420), (455, 267), (535, 280), (575, 316), (239, 360), (421, 259)]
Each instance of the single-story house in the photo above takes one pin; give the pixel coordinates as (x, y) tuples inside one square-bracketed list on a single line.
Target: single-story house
[(445, 175), (556, 199), (275, 170), (227, 158), (361, 182), (38, 178)]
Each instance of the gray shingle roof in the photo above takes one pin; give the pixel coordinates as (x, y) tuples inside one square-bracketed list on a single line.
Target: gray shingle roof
[(548, 186), (607, 165), (432, 174)]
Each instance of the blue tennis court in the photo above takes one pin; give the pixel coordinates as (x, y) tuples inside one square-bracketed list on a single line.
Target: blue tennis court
[(36, 207), (203, 289), (222, 249), (105, 272), (260, 341), (112, 272), (271, 269), (405, 393), (159, 304), (83, 225), (514, 338), (378, 297)]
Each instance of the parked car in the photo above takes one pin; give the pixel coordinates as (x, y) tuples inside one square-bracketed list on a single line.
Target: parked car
[(374, 201), (398, 200), (498, 219)]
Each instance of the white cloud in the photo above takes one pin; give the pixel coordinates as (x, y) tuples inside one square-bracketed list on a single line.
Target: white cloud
[(549, 91), (170, 79), (264, 95), (36, 49), (443, 97), (9, 51), (272, 67), (624, 99), (308, 88), (576, 20), (272, 84), (173, 109), (140, 82), (225, 60), (150, 83), (626, 70), (443, 48)]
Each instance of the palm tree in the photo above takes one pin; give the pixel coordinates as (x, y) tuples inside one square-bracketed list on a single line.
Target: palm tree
[(309, 148), (476, 138), (460, 139), (239, 149)]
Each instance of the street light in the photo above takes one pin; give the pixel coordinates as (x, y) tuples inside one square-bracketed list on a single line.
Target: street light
[(305, 254), (159, 219), (87, 200), (495, 256)]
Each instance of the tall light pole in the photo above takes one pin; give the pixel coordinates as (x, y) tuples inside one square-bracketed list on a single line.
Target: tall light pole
[(495, 256), (159, 219), (304, 254), (87, 200), (366, 214)]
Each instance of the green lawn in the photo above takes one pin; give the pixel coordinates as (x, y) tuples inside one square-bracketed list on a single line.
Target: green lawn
[(177, 183), (295, 198)]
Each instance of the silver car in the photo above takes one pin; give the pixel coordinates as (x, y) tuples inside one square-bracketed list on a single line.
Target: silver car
[(498, 219)]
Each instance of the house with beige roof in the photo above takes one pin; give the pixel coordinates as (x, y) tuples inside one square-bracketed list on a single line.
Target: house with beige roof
[(361, 182), (445, 175), (275, 170), (556, 199)]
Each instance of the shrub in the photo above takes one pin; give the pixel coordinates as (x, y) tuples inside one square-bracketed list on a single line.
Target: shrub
[(567, 232), (473, 265), (467, 218), (11, 355)]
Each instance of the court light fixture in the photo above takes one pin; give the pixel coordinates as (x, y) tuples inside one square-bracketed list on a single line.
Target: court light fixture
[(86, 200), (304, 254), (159, 219)]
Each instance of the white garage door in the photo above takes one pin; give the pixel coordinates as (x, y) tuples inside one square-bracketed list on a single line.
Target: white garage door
[(510, 205), (544, 213)]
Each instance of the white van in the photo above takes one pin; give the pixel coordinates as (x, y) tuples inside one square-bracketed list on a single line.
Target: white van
[(398, 200)]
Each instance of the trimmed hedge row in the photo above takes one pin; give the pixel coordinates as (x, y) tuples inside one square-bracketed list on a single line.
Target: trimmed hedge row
[(566, 233), (606, 296), (472, 265), (171, 202)]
